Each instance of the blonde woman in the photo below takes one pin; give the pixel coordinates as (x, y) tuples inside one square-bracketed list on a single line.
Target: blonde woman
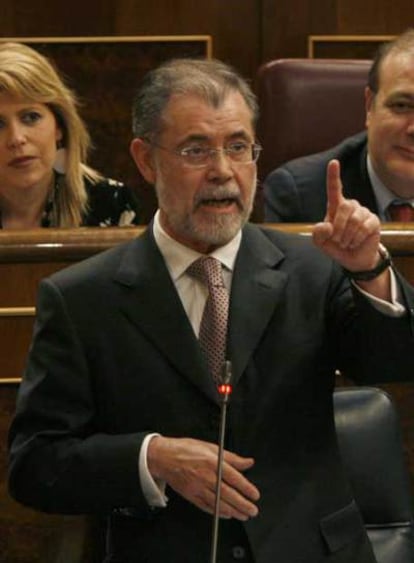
[(44, 181)]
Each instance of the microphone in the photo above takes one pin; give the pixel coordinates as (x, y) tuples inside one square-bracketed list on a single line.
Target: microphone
[(224, 388)]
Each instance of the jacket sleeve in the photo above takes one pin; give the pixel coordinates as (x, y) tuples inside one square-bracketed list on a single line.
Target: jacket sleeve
[(60, 460), (281, 198), (376, 348)]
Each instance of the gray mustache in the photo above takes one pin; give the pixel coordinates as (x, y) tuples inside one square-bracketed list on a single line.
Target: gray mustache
[(218, 193)]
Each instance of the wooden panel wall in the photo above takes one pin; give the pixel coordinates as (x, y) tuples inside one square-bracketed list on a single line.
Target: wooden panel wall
[(233, 24), (245, 32), (287, 23)]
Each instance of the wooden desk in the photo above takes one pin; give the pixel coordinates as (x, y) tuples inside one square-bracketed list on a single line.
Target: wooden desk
[(26, 257)]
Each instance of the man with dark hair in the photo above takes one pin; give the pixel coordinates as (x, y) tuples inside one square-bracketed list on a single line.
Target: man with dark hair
[(118, 412), (377, 166)]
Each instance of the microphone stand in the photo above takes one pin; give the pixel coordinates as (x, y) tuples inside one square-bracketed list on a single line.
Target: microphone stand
[(224, 389)]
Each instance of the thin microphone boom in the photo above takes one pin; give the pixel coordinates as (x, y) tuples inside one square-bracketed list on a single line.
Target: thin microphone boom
[(224, 389)]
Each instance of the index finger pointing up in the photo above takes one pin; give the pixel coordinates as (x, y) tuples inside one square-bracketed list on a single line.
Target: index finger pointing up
[(333, 188)]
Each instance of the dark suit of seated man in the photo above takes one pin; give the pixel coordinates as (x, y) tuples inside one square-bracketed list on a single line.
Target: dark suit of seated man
[(120, 395), (296, 193), (377, 167)]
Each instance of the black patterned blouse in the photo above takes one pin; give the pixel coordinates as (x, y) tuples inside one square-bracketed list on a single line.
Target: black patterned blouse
[(110, 204)]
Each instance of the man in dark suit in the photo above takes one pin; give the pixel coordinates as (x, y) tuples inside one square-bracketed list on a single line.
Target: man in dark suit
[(377, 166), (118, 412)]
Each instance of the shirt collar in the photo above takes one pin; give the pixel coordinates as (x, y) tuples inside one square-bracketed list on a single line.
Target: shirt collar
[(383, 195), (178, 257)]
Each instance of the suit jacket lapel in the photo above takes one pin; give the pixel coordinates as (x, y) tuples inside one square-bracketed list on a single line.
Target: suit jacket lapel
[(256, 290), (150, 301)]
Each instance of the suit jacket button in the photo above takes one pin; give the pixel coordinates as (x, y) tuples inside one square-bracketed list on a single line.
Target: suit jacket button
[(238, 552)]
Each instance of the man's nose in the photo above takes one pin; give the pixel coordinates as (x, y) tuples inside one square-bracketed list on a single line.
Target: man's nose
[(220, 166), (409, 126)]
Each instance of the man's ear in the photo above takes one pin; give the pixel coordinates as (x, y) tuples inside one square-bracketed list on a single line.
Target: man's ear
[(142, 155), (369, 102)]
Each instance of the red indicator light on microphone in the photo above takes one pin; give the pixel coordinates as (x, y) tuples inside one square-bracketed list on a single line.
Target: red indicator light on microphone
[(225, 389)]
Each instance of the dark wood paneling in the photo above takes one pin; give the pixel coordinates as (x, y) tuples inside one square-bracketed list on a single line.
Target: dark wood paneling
[(51, 18), (374, 16), (19, 281), (245, 32), (286, 26), (234, 25), (345, 46)]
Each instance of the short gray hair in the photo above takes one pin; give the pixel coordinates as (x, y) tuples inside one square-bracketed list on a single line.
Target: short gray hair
[(212, 80)]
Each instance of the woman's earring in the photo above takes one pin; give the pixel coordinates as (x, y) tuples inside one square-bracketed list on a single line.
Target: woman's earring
[(60, 160)]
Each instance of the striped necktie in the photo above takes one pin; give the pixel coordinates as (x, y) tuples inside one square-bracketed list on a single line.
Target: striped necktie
[(213, 328)]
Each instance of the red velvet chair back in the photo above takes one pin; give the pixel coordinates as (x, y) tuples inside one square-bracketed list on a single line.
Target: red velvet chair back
[(308, 105)]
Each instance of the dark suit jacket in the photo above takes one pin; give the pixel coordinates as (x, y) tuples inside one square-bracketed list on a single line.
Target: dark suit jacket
[(114, 357), (296, 192)]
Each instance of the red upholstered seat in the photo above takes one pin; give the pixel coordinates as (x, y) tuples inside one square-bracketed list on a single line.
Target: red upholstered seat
[(308, 105)]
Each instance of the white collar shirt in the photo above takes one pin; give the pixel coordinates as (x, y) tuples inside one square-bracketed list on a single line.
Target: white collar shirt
[(178, 257)]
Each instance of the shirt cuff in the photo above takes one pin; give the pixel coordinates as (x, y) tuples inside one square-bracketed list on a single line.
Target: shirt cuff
[(153, 490), (395, 308)]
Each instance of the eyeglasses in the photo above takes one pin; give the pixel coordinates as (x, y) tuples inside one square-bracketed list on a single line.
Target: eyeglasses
[(198, 156)]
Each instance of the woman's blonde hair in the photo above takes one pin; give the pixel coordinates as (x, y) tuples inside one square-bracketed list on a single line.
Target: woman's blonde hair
[(27, 74)]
